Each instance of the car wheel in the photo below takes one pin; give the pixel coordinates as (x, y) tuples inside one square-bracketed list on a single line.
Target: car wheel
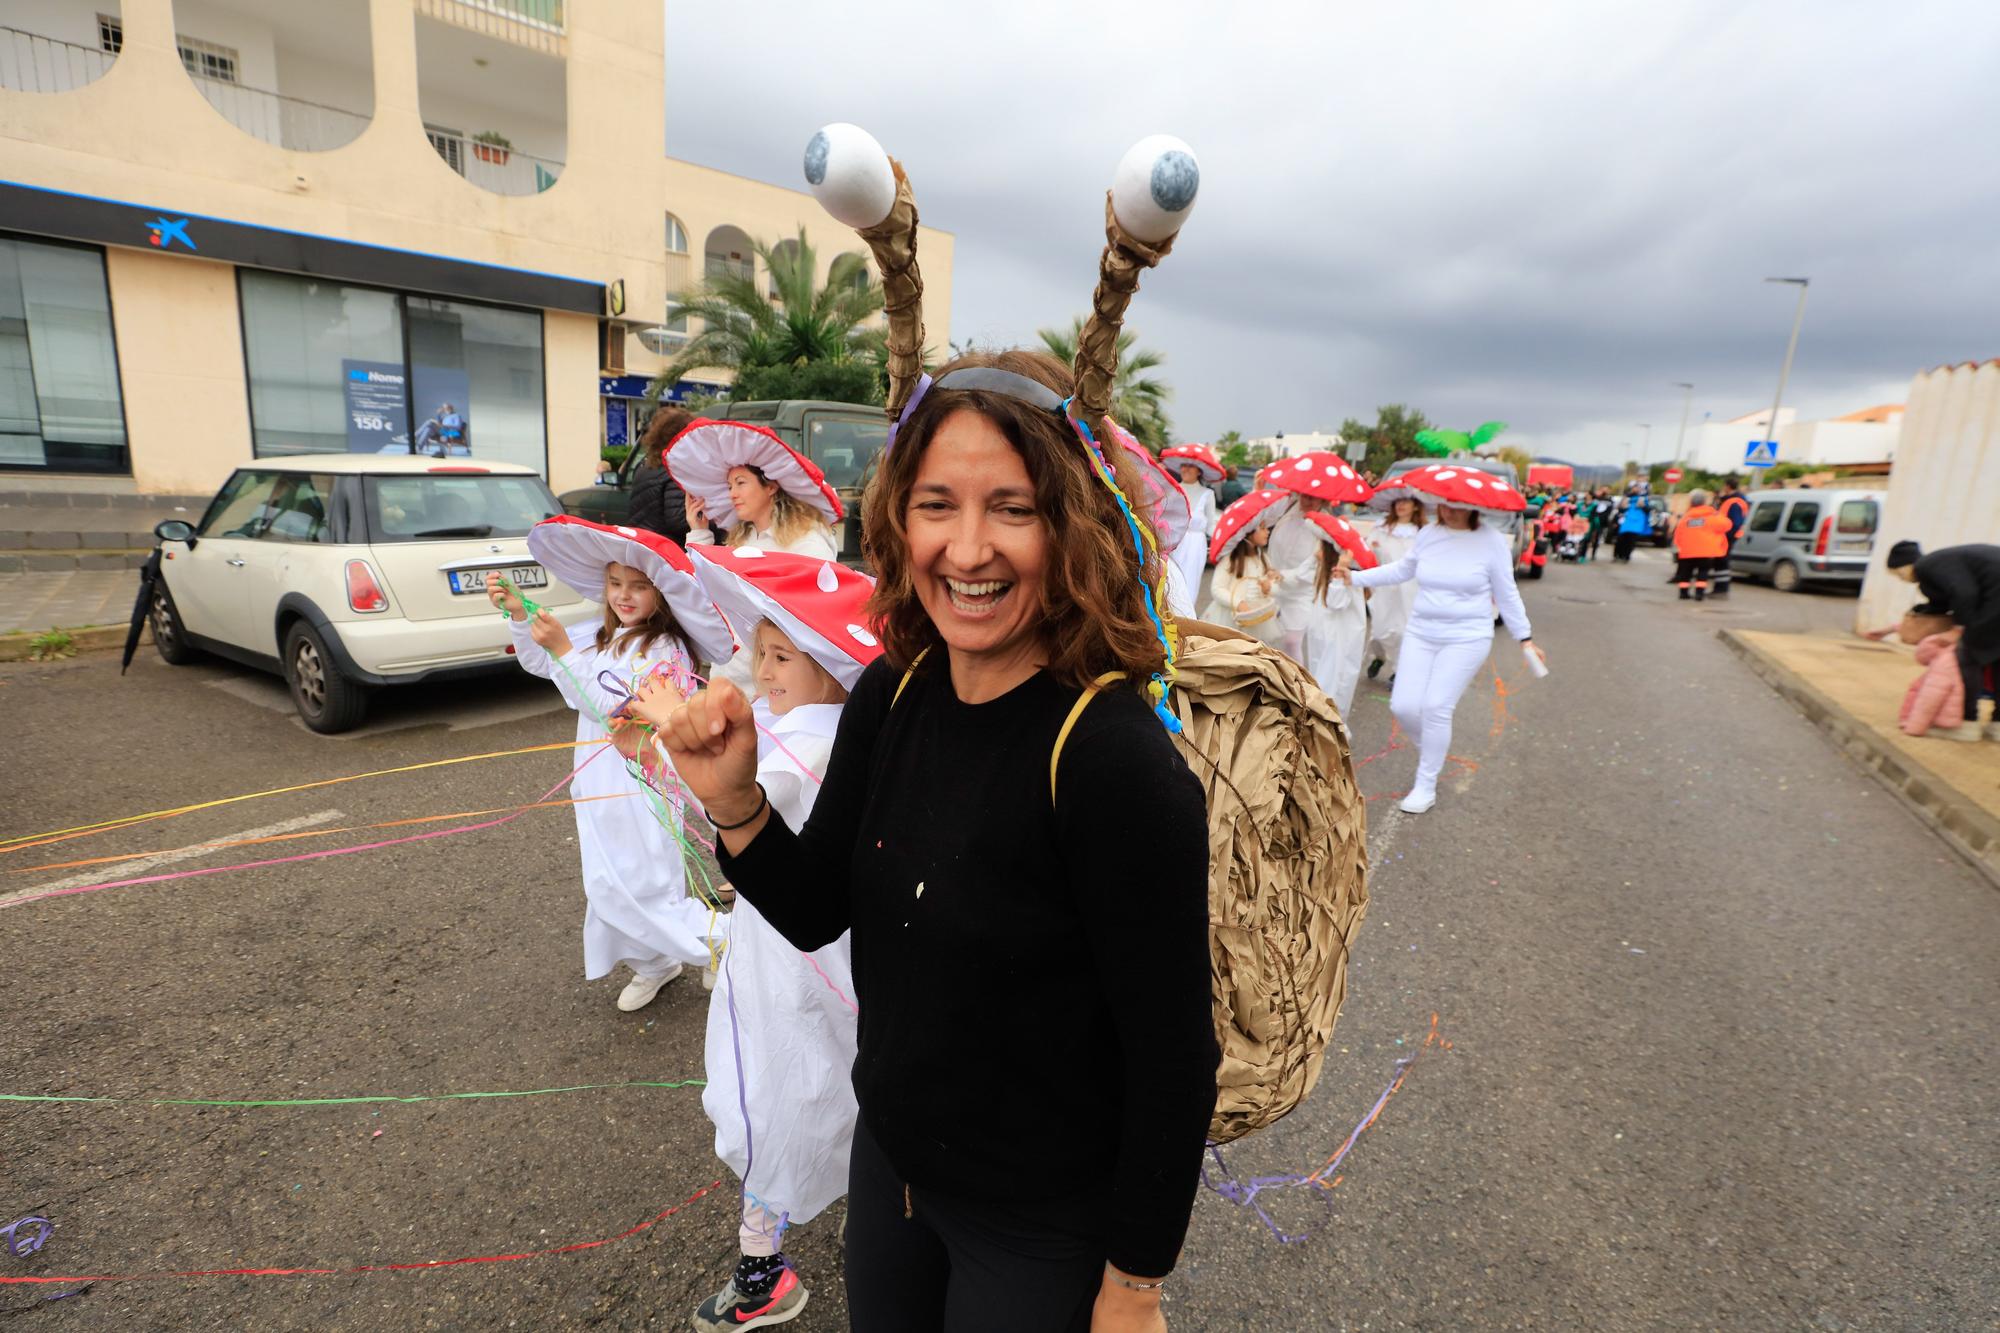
[(1785, 577), (169, 636), (327, 700)]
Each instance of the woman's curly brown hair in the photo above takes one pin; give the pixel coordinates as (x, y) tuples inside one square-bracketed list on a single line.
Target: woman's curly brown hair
[(1093, 616)]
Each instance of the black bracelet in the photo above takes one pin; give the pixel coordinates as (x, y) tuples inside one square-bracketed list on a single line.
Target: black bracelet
[(763, 800)]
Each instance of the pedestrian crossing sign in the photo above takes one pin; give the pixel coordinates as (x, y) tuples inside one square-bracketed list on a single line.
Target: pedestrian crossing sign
[(1760, 453)]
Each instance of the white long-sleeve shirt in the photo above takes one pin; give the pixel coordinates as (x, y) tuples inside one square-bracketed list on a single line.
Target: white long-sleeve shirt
[(1461, 577)]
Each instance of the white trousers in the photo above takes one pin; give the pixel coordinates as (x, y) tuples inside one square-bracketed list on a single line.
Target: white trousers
[(1430, 677)]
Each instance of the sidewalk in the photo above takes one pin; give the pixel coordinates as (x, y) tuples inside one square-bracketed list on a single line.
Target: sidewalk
[(69, 599), (1851, 689)]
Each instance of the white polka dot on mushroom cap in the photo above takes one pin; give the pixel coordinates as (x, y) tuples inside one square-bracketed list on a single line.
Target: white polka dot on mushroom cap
[(828, 580), (629, 532), (748, 552), (1445, 475), (1475, 483), (861, 636), (1315, 481)]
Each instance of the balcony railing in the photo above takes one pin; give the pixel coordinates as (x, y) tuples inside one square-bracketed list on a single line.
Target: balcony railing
[(500, 170), (538, 25), (32, 63), (288, 122)]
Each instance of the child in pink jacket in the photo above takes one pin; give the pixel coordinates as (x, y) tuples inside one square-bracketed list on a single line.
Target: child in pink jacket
[(1939, 694)]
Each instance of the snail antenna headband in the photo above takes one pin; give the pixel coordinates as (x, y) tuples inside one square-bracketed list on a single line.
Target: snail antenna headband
[(862, 186)]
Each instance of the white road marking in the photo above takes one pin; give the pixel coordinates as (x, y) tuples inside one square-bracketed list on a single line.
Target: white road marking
[(138, 865)]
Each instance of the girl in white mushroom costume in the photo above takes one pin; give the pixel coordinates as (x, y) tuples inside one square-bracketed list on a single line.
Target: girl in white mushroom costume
[(657, 620), (756, 490), (1242, 594), (1337, 632), (1198, 469), (782, 1024), (1463, 570)]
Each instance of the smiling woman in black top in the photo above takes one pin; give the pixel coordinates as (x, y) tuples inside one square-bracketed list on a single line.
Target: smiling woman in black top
[(1037, 1051)]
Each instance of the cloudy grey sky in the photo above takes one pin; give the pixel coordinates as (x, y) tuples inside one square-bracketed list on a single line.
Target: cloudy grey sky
[(1542, 212)]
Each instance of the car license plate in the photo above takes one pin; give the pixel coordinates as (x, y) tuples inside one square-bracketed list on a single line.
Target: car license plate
[(465, 581)]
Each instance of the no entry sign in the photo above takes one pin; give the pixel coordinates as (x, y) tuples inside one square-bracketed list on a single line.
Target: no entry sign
[(1673, 475)]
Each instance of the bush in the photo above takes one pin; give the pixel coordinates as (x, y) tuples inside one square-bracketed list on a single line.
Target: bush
[(616, 454), (50, 645)]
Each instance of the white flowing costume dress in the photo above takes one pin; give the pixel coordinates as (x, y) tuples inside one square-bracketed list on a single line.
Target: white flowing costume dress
[(1192, 554), (1224, 589), (797, 1036), (1389, 608), (1294, 543), (1336, 636), (637, 909), (741, 670)]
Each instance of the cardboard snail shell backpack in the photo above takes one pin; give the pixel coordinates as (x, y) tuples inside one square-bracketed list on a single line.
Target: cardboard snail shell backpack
[(1288, 859)]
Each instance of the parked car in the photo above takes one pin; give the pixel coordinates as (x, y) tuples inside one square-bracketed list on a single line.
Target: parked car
[(842, 438), (344, 572), (1796, 537)]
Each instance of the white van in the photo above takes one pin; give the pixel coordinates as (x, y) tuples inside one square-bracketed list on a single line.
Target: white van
[(1796, 537)]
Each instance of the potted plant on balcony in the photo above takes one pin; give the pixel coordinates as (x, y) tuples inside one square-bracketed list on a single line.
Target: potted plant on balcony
[(492, 146)]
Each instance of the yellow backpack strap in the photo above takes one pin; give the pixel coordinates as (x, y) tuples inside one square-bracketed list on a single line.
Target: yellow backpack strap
[(905, 682), (1069, 723)]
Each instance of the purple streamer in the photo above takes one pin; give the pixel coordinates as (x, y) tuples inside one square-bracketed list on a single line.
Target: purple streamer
[(916, 396), (21, 1246)]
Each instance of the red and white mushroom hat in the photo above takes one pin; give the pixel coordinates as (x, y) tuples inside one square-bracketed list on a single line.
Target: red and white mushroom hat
[(1164, 498), (1243, 516), (817, 603), (1337, 530), (1194, 455), (576, 551), (699, 458), (1453, 484), (1321, 475)]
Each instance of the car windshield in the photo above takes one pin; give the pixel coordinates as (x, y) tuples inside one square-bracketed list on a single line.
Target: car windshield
[(424, 507)]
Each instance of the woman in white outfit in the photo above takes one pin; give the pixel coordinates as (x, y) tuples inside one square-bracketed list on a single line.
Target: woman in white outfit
[(1199, 469), (1337, 630), (762, 492), (1294, 547), (1463, 571), (1389, 608)]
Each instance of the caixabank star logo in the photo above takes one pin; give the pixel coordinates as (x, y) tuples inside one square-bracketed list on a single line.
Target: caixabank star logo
[(164, 232)]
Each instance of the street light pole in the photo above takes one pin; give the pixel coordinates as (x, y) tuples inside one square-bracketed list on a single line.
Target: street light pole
[(1645, 450), (1687, 402), (1798, 318)]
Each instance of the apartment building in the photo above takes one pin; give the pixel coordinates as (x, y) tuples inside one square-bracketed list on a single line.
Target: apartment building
[(233, 229)]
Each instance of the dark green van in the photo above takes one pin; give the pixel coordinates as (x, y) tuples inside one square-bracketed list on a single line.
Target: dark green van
[(842, 438)]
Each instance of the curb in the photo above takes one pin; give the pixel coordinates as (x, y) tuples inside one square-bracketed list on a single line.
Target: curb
[(14, 647), (1960, 822)]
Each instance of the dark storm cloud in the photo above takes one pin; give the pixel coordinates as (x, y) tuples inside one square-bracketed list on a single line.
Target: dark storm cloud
[(1543, 213)]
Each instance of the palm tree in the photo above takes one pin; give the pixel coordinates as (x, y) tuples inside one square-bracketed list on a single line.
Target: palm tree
[(801, 321), (1138, 401)]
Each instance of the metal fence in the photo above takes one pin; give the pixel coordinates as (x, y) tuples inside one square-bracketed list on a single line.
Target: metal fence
[(501, 170), (538, 25), (32, 63), (288, 122)]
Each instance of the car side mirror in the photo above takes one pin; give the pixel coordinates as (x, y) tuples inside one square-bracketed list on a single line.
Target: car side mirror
[(174, 530)]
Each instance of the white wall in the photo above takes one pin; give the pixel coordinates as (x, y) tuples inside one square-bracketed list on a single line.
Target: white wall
[(1838, 442), (1291, 446), (1717, 446), (1945, 488), (73, 21)]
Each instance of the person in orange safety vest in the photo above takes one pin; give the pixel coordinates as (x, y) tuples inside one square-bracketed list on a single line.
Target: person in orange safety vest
[(1700, 539)]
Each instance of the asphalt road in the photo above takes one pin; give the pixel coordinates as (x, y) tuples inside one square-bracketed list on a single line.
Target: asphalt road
[(1709, 1014)]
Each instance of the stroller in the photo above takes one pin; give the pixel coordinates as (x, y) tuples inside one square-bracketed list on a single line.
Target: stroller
[(1575, 535)]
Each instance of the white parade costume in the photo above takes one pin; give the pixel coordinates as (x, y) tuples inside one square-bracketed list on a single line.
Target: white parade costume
[(1191, 555), (789, 1014), (1389, 608), (1293, 544), (637, 909), (1462, 576), (1336, 636), (1226, 589)]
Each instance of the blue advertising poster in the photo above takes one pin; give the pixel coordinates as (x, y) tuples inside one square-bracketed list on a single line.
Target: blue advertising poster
[(617, 422), (377, 416), (443, 412)]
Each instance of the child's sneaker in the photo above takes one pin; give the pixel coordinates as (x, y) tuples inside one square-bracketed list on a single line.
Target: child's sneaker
[(639, 991), (776, 1301)]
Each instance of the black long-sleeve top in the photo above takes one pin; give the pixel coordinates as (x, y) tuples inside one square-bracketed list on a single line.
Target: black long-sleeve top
[(1033, 977), (1963, 582)]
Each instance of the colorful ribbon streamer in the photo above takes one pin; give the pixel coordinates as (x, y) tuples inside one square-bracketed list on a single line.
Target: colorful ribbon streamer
[(344, 1101), (572, 1248)]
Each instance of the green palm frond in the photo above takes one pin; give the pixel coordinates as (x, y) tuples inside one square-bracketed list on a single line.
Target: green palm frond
[(1443, 442), (1487, 432)]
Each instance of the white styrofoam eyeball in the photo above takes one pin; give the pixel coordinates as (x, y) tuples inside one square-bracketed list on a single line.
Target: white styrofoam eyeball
[(850, 175), (1154, 190)]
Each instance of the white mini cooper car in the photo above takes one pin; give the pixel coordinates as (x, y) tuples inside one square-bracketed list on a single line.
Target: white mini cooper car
[(345, 571)]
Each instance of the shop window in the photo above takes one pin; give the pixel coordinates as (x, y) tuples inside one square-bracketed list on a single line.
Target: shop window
[(60, 405), (336, 368)]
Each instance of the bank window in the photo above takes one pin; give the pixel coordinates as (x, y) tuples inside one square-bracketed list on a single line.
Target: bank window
[(1764, 518), (60, 405), (336, 368), (1802, 519)]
